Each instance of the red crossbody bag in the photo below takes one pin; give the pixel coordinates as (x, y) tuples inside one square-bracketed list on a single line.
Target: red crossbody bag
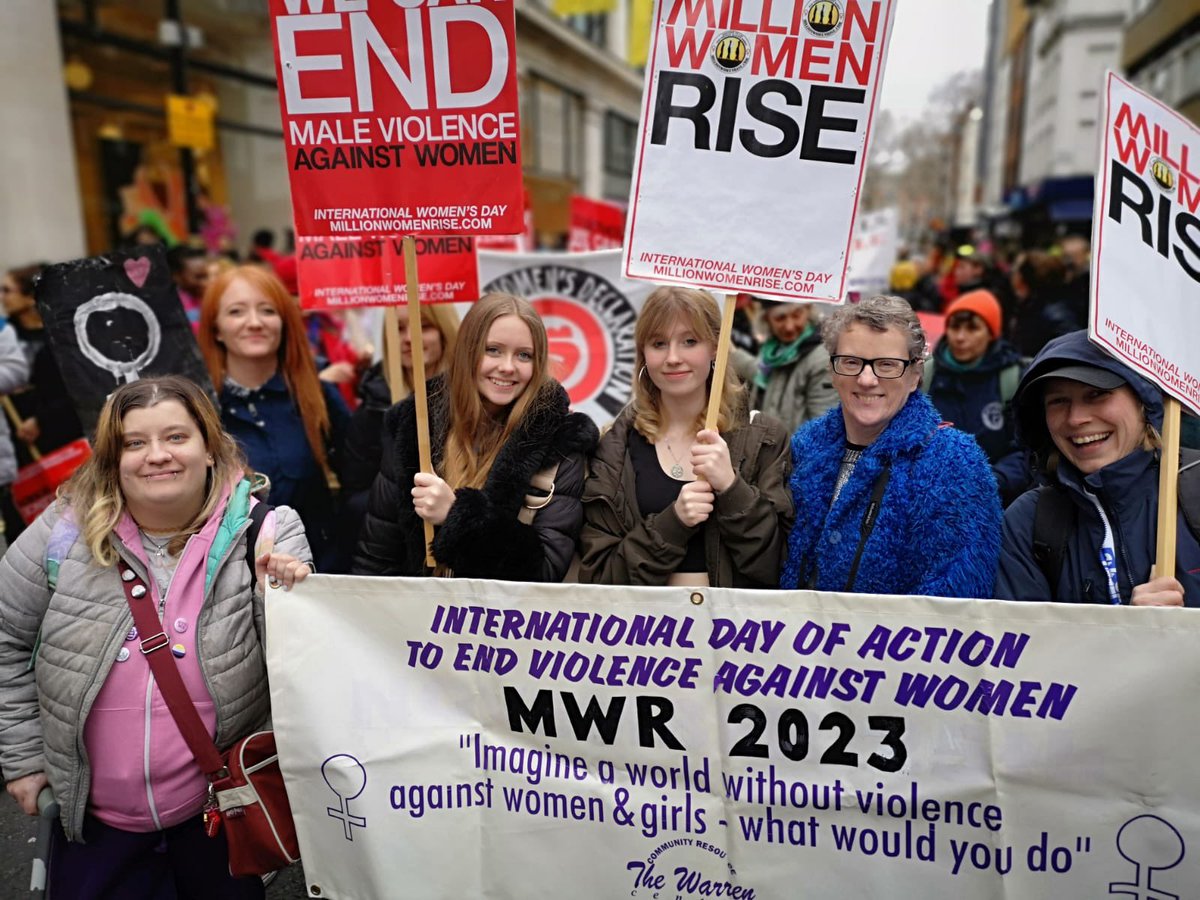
[(246, 794)]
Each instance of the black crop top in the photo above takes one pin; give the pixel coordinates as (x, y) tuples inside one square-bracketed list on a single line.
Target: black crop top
[(656, 490)]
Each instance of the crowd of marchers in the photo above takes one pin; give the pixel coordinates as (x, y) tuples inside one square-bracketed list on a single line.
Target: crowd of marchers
[(1009, 460)]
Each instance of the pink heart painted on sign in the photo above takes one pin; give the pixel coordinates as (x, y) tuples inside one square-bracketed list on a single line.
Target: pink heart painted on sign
[(138, 270)]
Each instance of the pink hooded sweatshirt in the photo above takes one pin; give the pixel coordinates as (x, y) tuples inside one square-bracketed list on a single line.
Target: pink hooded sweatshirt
[(130, 735)]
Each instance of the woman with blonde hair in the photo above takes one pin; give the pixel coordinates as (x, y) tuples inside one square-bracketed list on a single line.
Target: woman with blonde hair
[(668, 501), (289, 424), (364, 437), (496, 420), (161, 511), (1087, 535)]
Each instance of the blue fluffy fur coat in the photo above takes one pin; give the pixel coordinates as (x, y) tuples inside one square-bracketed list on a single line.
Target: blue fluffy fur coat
[(938, 530)]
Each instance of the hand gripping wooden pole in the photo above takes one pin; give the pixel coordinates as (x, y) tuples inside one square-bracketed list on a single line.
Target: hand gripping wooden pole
[(15, 418), (1168, 490), (424, 451), (721, 363)]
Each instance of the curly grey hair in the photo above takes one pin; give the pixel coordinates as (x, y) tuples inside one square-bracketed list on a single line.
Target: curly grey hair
[(879, 313)]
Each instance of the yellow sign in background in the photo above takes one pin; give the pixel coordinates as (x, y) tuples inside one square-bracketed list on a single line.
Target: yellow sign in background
[(190, 122)]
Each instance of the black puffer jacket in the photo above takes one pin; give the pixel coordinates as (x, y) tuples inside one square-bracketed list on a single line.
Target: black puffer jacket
[(481, 537)]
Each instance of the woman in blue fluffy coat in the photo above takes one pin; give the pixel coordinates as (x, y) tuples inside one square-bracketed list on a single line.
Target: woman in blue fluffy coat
[(888, 501)]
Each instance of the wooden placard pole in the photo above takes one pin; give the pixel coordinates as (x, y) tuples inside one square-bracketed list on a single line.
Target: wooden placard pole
[(424, 451), (721, 363), (15, 418), (1168, 490), (393, 369)]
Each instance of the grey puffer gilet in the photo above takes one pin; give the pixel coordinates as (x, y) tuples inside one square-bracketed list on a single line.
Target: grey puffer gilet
[(83, 623)]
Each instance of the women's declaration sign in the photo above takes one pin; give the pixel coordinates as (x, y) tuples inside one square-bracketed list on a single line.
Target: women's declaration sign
[(752, 144), (400, 117), (484, 739)]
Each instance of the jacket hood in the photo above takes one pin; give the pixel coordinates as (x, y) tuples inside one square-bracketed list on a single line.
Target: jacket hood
[(1073, 349)]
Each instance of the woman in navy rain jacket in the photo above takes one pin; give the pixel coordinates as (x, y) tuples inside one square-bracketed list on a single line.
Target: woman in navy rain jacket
[(1092, 424), (971, 379)]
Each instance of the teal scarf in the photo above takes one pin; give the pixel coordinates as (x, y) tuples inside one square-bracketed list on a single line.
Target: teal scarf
[(776, 355)]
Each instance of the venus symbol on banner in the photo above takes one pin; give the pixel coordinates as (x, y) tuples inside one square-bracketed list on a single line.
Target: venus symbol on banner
[(347, 779), (1152, 845), (122, 369)]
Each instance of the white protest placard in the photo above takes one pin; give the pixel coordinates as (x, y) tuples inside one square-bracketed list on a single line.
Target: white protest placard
[(752, 143), (876, 235), (1146, 241), (590, 312), (450, 738)]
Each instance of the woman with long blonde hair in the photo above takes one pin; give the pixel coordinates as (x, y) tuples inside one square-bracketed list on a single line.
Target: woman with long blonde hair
[(496, 420), (160, 514), (668, 501), (364, 438), (289, 424)]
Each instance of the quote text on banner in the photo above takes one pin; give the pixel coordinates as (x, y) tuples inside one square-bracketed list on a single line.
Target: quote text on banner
[(752, 144), (400, 119), (454, 736)]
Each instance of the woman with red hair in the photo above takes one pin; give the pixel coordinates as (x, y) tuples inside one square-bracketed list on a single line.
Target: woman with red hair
[(287, 422)]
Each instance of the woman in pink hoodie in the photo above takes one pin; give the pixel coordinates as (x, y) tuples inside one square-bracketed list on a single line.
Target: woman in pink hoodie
[(165, 493)]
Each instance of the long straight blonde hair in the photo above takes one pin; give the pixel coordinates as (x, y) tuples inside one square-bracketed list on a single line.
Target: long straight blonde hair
[(474, 435), (94, 491), (699, 312)]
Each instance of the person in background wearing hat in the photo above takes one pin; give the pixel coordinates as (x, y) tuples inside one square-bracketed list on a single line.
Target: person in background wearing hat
[(971, 379), (1092, 423), (793, 383)]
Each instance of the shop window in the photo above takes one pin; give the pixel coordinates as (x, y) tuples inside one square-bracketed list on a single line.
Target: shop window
[(620, 144), (553, 128)]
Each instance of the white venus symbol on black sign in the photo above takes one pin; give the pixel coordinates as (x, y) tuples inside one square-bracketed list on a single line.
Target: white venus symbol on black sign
[(126, 370)]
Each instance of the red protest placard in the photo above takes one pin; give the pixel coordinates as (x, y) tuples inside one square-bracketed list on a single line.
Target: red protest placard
[(595, 225), (399, 119), (336, 273)]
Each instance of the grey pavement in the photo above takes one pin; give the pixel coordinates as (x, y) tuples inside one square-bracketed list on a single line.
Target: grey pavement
[(18, 833)]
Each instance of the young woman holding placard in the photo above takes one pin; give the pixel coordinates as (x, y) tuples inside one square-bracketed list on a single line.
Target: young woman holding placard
[(668, 501), (498, 423)]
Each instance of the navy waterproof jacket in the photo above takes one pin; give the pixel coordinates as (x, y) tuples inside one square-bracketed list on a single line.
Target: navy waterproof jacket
[(971, 401), (267, 426), (1128, 490)]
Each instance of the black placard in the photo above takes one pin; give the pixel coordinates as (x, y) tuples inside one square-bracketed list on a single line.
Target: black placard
[(113, 319)]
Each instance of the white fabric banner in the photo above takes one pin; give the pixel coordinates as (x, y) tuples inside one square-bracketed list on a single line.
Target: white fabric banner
[(753, 143), (876, 235), (589, 311), (1146, 241), (455, 738)]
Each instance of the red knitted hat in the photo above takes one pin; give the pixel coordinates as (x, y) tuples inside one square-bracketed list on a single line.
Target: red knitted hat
[(984, 304)]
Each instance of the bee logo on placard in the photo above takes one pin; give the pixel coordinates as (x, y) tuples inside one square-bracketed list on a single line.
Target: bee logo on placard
[(1163, 174), (823, 17), (731, 51)]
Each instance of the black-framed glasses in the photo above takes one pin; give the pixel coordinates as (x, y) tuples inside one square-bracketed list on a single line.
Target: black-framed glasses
[(882, 366)]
